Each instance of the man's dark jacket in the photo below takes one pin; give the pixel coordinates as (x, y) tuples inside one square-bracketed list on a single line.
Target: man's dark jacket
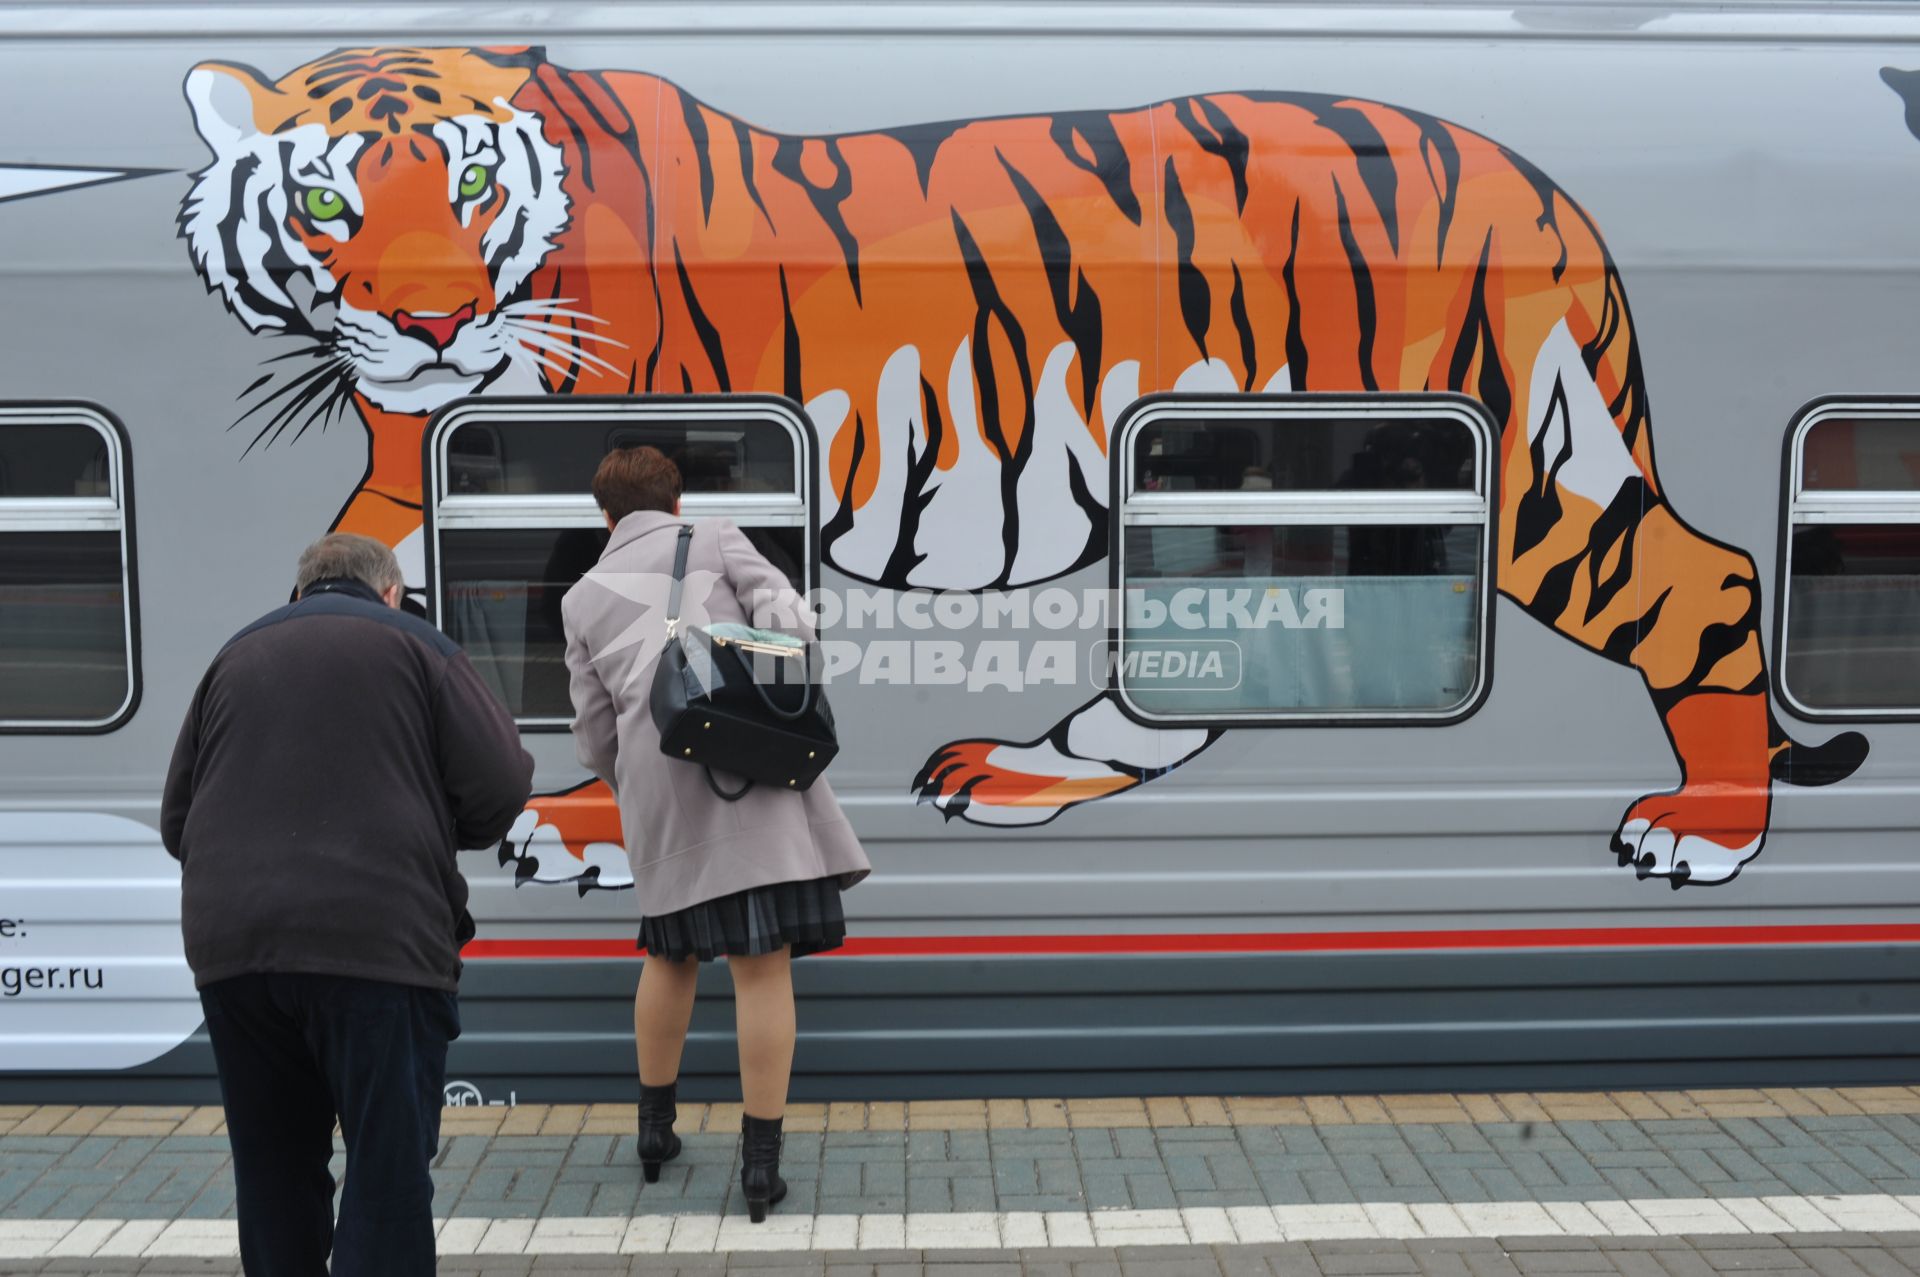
[(335, 755)]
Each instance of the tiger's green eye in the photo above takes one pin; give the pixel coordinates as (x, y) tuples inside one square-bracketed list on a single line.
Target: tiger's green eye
[(324, 205), (474, 180)]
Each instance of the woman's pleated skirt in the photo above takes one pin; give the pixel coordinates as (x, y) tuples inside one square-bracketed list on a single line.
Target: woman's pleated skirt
[(805, 916)]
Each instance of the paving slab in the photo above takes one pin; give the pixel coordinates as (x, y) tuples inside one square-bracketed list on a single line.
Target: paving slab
[(1513, 1185)]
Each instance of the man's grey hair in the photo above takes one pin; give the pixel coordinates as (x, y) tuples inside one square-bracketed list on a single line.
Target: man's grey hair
[(345, 556)]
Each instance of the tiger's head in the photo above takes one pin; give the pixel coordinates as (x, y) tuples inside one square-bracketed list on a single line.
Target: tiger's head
[(391, 204)]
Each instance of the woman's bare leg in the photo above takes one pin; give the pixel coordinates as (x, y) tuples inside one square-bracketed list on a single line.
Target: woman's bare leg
[(662, 1007), (763, 1017)]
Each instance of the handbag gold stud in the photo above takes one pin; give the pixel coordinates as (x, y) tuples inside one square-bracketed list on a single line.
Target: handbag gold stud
[(688, 751)]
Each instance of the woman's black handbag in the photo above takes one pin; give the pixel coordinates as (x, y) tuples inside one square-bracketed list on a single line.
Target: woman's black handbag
[(740, 700)]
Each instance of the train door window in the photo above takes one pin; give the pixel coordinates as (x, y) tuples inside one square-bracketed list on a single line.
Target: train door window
[(513, 521), (66, 571), (1850, 615), (1304, 558)]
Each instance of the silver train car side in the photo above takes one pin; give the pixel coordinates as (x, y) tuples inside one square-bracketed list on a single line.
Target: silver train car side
[(1221, 443)]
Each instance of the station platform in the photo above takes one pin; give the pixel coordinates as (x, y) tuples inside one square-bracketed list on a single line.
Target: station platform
[(1644, 1184)]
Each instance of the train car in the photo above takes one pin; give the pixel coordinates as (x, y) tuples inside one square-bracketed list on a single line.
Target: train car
[(1358, 546)]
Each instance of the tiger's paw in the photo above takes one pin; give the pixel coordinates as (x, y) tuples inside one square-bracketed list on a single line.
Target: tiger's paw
[(569, 837), (1697, 834), (991, 782)]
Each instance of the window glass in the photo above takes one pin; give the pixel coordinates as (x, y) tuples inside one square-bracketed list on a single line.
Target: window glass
[(1303, 454), (1853, 616), (1862, 453), (53, 460), (500, 600), (546, 456), (1321, 619), (514, 526), (501, 591), (1334, 561), (63, 634), (1849, 642)]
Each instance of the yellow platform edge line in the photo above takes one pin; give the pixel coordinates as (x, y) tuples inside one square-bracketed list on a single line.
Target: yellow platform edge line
[(1043, 1114)]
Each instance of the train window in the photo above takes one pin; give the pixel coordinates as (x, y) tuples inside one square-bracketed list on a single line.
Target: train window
[(1850, 616), (492, 458), (513, 523), (1303, 558), (66, 571)]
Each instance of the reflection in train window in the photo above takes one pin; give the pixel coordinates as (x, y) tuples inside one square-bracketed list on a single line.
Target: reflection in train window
[(66, 621), (533, 455), (1862, 451), (1228, 454), (53, 459), (1850, 637), (514, 526), (500, 592), (1304, 559)]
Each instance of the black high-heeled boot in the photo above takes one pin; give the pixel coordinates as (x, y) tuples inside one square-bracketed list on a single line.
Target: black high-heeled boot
[(760, 1181), (658, 1143)]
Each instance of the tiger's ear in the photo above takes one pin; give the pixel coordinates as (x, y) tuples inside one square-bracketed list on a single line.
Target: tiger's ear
[(1907, 85), (226, 98)]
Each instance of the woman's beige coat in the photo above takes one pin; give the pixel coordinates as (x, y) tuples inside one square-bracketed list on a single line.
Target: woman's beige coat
[(686, 844)]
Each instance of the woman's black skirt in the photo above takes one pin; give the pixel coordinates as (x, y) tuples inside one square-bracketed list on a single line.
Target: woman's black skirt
[(805, 916)]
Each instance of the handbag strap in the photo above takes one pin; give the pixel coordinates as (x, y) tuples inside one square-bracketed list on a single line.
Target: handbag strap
[(806, 683), (673, 621), (679, 577), (733, 797)]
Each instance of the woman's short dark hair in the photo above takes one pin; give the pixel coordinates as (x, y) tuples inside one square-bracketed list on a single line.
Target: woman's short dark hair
[(632, 479)]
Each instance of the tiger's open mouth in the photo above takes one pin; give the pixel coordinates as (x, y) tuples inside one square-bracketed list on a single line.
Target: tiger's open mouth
[(434, 374), (428, 388), (436, 330)]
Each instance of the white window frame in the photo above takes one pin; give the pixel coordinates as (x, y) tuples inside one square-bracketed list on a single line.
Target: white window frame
[(81, 514), (1805, 508), (464, 512), (1287, 508)]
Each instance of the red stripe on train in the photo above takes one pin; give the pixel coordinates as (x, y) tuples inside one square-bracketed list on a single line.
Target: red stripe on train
[(1279, 942)]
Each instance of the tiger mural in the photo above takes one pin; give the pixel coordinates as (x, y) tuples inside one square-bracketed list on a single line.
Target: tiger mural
[(964, 309)]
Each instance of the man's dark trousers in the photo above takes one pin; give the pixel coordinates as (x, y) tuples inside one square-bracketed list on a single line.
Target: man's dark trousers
[(297, 1051)]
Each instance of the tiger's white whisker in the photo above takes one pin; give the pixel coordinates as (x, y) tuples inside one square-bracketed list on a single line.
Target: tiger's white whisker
[(546, 317), (524, 325), (570, 358), (565, 349), (538, 303), (523, 309), (585, 364), (551, 364), (539, 360)]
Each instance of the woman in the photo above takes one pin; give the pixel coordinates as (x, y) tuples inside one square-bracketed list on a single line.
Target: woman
[(756, 881)]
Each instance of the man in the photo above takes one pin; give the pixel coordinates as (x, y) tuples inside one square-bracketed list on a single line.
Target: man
[(336, 754)]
